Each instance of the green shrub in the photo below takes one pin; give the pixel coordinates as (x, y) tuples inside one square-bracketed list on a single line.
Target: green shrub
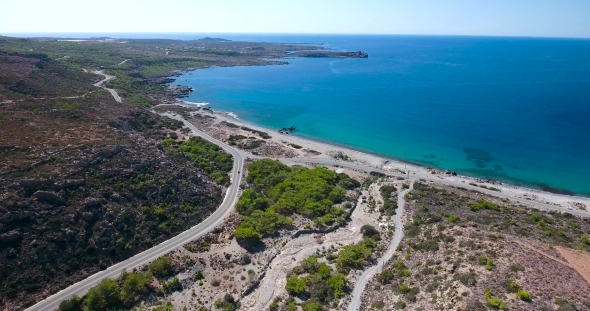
[(227, 303), (104, 296), (161, 267), (468, 279), (352, 257), (205, 155), (312, 306), (134, 285), (522, 295), (171, 286), (338, 284), (385, 276), (494, 301), (72, 304), (369, 231), (247, 236), (483, 204), (295, 286), (400, 304)]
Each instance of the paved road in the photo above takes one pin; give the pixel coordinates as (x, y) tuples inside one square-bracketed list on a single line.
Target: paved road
[(103, 81), (361, 283), (163, 248), (217, 217)]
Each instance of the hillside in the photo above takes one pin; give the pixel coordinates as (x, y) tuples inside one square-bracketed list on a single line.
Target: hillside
[(86, 182)]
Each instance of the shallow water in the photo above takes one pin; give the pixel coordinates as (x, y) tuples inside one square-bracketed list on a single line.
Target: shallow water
[(510, 109)]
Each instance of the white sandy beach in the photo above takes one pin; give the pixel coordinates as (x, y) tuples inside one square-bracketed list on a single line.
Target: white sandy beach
[(328, 151)]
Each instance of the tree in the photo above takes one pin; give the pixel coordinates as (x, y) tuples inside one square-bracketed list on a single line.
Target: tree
[(73, 304), (161, 267), (352, 257), (310, 265), (134, 285), (295, 286), (102, 297), (338, 283), (369, 231), (247, 236)]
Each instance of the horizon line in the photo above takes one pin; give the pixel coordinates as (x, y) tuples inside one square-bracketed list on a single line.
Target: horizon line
[(37, 34)]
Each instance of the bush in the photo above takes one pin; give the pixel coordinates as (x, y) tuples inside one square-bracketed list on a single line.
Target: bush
[(247, 236), (312, 306), (227, 303), (295, 286), (385, 277), (73, 304), (468, 279), (369, 231), (104, 296), (522, 295), (205, 155), (352, 257), (161, 267), (389, 205), (134, 285), (400, 305), (378, 304), (483, 204), (171, 286), (338, 284), (494, 301)]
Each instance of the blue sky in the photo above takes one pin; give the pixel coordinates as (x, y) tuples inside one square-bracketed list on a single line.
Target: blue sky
[(545, 18)]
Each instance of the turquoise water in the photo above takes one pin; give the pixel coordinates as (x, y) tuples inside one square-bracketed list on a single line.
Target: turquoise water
[(509, 109)]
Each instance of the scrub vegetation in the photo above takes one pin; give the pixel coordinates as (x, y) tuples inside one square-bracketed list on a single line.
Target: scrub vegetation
[(464, 250), (278, 193)]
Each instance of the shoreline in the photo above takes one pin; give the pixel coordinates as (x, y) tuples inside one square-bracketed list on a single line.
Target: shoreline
[(329, 149)]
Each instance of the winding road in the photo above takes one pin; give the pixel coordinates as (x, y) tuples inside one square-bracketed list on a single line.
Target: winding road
[(165, 247), (103, 81), (231, 197), (361, 283)]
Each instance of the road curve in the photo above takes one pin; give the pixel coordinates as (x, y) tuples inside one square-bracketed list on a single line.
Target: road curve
[(165, 247), (361, 283), (103, 81)]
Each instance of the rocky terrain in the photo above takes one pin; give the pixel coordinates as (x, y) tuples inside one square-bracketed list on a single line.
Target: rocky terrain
[(465, 251), (84, 181)]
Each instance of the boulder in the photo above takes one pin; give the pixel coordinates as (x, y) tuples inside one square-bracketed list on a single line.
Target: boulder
[(10, 236), (92, 202), (87, 216), (49, 197), (116, 197), (33, 184), (109, 152), (73, 183), (111, 172)]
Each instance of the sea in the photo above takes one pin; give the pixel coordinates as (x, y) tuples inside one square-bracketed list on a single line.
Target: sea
[(510, 109)]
